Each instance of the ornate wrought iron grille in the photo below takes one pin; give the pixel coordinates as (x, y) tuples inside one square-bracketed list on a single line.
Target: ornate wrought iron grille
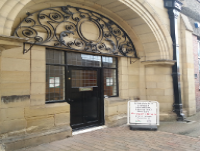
[(63, 27)]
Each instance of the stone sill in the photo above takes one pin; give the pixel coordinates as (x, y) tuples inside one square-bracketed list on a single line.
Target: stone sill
[(114, 100)]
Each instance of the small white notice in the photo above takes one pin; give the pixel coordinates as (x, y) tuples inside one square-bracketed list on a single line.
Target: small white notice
[(109, 81), (54, 82), (143, 113)]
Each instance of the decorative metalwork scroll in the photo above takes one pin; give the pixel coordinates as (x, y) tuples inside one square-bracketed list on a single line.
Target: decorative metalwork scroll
[(76, 28)]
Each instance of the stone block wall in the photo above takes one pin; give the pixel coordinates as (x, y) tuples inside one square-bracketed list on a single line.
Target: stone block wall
[(128, 78), (34, 125), (159, 87), (196, 71), (115, 111), (25, 119), (187, 69), (148, 81)]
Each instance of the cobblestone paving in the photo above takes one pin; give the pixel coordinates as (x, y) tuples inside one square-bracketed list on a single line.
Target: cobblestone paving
[(122, 139)]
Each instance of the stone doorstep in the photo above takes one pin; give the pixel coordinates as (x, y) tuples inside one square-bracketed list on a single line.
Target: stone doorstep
[(18, 142)]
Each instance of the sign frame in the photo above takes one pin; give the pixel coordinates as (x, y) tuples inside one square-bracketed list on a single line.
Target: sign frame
[(147, 101)]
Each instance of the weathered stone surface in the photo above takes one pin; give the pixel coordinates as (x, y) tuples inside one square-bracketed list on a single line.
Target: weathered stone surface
[(112, 110), (62, 119), (114, 101), (15, 76), (14, 145), (36, 141), (36, 124), (15, 101), (38, 88), (13, 125), (38, 77), (15, 53), (38, 53), (167, 116), (115, 111), (12, 113), (116, 120), (47, 109), (37, 99), (122, 108), (61, 135), (2, 115), (13, 64), (38, 65)]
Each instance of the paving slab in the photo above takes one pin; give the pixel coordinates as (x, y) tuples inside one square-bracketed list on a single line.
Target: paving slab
[(122, 139), (190, 127)]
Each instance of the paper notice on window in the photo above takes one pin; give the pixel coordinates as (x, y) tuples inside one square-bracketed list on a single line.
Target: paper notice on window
[(51, 82), (54, 82), (57, 82), (109, 81)]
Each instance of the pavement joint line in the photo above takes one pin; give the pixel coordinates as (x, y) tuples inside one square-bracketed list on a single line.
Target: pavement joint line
[(178, 134)]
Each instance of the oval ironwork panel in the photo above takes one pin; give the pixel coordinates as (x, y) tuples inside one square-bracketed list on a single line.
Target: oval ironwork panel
[(76, 28)]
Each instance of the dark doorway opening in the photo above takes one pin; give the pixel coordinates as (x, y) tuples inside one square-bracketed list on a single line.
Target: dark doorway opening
[(82, 80), (84, 97)]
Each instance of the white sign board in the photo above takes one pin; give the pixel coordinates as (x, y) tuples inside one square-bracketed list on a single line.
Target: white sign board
[(143, 113)]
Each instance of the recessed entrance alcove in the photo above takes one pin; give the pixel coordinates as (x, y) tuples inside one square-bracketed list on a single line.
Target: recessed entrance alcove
[(82, 62)]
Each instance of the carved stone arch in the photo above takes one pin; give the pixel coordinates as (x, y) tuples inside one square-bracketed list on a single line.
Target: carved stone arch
[(159, 34)]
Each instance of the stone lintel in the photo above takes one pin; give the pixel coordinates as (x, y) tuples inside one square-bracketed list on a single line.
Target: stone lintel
[(159, 62)]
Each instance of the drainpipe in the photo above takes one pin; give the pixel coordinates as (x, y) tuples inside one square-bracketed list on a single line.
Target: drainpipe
[(174, 7)]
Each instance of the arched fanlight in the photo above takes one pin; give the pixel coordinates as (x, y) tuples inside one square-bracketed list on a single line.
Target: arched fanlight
[(76, 28)]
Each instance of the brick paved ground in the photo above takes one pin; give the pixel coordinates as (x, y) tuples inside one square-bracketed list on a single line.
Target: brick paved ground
[(123, 139)]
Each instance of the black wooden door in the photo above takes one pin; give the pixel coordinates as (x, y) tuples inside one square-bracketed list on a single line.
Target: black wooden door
[(84, 97)]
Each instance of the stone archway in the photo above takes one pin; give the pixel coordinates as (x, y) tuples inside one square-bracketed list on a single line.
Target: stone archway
[(138, 18), (147, 30), (149, 78)]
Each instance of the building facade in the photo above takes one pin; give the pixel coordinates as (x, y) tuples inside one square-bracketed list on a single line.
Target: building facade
[(190, 9), (74, 64)]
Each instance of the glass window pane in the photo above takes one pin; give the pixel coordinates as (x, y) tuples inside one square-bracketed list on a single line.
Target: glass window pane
[(55, 82), (109, 62), (110, 82), (55, 57), (84, 78), (79, 59)]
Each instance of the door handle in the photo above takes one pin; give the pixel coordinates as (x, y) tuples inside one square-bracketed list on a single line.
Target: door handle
[(70, 100)]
